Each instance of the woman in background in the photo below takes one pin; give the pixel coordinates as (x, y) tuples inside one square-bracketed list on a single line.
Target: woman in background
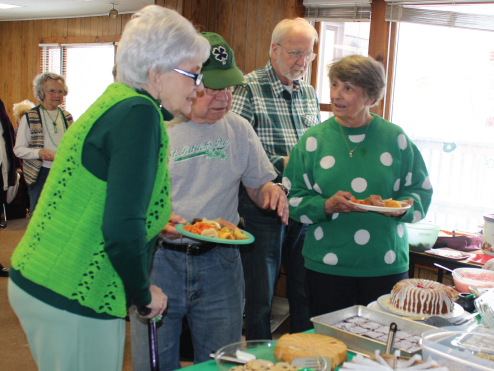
[(352, 257), (40, 131), (87, 251)]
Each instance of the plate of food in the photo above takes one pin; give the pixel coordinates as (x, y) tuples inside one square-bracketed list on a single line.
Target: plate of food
[(217, 231), (388, 206)]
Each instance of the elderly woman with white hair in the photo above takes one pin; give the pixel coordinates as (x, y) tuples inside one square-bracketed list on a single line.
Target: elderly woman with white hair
[(40, 131), (87, 251)]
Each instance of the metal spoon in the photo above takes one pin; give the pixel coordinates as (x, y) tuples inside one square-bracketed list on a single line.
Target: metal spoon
[(442, 267)]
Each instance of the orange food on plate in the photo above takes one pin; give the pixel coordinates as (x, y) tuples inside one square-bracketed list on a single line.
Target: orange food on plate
[(354, 200), (391, 203), (211, 228)]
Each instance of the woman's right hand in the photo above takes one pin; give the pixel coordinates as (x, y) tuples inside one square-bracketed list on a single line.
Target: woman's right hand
[(339, 204), (46, 155), (170, 231), (159, 302)]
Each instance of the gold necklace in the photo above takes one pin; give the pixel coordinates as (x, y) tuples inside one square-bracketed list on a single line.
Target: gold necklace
[(351, 150)]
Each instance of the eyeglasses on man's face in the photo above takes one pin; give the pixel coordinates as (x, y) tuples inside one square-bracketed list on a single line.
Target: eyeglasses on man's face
[(196, 76), (229, 89), (296, 55), (53, 92)]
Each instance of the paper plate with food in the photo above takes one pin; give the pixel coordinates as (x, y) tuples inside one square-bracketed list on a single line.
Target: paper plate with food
[(218, 231), (380, 206)]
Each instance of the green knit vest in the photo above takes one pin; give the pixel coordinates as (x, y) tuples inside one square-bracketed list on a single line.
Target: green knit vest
[(63, 247)]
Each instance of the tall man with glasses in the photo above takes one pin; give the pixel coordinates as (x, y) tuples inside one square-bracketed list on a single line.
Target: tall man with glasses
[(280, 107), (211, 152)]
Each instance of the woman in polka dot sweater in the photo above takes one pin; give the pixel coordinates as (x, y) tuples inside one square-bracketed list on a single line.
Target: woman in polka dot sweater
[(353, 256)]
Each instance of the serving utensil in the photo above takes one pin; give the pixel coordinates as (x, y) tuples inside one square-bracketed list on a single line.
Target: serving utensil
[(314, 363), (441, 322)]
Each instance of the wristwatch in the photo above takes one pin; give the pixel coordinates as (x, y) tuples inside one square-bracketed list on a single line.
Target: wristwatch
[(287, 192)]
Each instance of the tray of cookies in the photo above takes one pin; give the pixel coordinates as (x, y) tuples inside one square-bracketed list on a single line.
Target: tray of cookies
[(364, 330)]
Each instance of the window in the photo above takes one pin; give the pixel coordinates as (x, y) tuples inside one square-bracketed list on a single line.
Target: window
[(343, 30), (443, 97), (87, 69)]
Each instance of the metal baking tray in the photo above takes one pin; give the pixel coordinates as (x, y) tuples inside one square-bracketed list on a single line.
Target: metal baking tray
[(362, 344)]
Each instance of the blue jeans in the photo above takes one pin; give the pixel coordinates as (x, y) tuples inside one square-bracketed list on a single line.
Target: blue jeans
[(275, 243), (329, 293), (208, 289), (34, 189)]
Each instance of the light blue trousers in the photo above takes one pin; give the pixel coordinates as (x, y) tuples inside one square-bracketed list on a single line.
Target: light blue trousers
[(63, 341)]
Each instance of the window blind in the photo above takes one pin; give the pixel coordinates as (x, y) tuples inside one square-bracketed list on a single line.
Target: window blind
[(432, 16), (340, 13)]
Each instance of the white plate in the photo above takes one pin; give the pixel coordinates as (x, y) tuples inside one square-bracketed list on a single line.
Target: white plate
[(375, 306), (383, 302), (380, 209)]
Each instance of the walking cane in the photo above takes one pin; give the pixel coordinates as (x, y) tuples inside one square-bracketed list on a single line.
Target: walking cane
[(153, 341)]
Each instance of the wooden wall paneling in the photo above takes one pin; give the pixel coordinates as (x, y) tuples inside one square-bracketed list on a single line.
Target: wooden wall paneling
[(112, 25), (224, 19), (160, 2), (315, 63), (7, 70), (60, 27), (104, 26), (251, 36), (16, 72), (390, 71), (97, 26), (239, 27), (71, 24), (267, 22), (125, 19), (86, 26), (35, 56), (27, 28), (198, 10), (212, 16), (378, 40), (187, 9), (46, 27), (286, 9)]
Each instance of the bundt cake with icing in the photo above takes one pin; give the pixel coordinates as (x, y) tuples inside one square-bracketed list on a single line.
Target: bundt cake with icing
[(421, 296)]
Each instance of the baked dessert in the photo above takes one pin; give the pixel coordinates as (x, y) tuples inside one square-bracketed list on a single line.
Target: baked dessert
[(420, 296), (291, 346)]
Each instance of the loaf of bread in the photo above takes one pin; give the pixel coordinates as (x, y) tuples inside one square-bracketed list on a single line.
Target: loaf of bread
[(291, 346)]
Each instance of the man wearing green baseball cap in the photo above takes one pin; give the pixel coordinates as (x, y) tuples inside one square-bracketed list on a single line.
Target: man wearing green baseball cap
[(210, 152)]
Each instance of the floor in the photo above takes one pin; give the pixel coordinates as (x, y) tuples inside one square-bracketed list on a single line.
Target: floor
[(14, 349)]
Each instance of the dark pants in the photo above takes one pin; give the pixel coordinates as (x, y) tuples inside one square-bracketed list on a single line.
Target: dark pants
[(275, 243), (328, 293), (35, 188)]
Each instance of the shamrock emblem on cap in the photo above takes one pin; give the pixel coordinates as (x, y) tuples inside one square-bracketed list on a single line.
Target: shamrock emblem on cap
[(220, 54)]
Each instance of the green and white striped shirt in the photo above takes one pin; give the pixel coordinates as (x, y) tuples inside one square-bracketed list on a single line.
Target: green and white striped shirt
[(278, 117)]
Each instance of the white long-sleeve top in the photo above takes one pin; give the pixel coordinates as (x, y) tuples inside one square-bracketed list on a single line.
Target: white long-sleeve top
[(23, 140)]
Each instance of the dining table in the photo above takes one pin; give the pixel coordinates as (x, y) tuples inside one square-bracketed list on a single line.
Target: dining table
[(211, 365)]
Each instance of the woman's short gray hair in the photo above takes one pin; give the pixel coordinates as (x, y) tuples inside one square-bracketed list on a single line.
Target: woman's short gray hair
[(284, 26), (39, 84), (157, 38), (21, 108), (364, 72)]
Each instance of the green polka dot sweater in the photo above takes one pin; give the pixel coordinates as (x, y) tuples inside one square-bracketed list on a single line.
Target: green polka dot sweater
[(386, 163)]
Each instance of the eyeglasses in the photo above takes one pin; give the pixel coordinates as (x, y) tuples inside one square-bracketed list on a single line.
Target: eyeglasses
[(295, 54), (229, 89), (196, 76), (53, 92)]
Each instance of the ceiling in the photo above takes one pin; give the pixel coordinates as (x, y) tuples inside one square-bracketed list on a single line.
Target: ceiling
[(46, 9)]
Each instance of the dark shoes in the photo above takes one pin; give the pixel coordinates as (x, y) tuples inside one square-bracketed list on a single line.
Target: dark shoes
[(4, 272)]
